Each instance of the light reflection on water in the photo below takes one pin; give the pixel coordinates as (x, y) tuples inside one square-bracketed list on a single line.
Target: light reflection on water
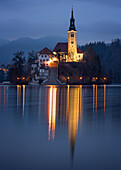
[(80, 114)]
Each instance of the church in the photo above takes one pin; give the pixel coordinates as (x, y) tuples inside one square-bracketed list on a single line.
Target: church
[(68, 52), (63, 52)]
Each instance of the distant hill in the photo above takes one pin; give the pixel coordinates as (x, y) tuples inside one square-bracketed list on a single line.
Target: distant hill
[(3, 42), (27, 45)]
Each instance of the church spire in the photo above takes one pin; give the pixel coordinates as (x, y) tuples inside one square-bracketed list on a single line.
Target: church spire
[(72, 22)]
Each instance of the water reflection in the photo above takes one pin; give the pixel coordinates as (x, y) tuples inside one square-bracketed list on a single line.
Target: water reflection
[(104, 98), (4, 97), (81, 104), (93, 99), (23, 98), (19, 98), (67, 106), (96, 98), (71, 116), (52, 112)]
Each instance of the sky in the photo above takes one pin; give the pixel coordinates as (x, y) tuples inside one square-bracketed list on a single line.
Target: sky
[(96, 20)]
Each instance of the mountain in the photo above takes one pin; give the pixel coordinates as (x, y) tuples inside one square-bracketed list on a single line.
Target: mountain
[(3, 42), (27, 45)]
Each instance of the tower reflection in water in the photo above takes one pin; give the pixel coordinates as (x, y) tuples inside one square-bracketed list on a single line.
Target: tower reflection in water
[(66, 106), (19, 98)]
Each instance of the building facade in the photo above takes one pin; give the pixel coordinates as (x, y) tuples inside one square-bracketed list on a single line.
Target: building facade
[(72, 41), (68, 52)]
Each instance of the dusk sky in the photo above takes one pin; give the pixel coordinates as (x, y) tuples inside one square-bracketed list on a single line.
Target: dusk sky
[(95, 19)]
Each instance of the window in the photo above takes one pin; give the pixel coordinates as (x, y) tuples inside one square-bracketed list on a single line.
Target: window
[(42, 55), (40, 60), (45, 56), (72, 42), (72, 34), (43, 59)]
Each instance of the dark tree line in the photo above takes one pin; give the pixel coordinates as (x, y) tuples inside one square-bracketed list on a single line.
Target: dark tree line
[(19, 71), (110, 58)]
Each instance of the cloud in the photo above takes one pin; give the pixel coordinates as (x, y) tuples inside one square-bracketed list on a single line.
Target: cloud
[(95, 19), (104, 30)]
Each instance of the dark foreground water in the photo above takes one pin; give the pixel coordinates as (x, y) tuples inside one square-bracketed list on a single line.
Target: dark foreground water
[(60, 128)]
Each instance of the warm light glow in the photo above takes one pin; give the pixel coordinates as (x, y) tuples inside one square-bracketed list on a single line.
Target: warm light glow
[(104, 98), (93, 98), (67, 101), (68, 78), (95, 78), (55, 59), (81, 113), (18, 96), (81, 78), (54, 53), (96, 98), (52, 112), (105, 78), (23, 78), (73, 115), (50, 107), (23, 98)]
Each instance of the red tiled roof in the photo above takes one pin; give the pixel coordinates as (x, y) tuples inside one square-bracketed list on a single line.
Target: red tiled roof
[(61, 47), (79, 50), (45, 51)]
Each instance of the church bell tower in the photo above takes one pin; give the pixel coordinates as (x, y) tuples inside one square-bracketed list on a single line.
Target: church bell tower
[(72, 42)]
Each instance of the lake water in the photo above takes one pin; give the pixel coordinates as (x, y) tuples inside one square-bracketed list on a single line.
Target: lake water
[(60, 128)]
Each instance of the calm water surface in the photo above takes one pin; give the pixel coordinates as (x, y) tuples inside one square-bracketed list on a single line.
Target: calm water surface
[(60, 128)]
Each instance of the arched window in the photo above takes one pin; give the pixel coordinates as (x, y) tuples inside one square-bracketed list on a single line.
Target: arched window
[(72, 34)]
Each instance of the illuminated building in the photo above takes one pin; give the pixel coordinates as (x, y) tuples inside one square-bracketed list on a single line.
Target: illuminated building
[(68, 52), (72, 42), (44, 56)]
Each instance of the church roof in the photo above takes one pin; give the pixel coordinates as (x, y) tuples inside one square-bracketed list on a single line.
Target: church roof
[(79, 50), (61, 47), (45, 51)]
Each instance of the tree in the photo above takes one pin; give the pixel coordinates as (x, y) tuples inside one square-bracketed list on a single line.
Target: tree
[(32, 56), (18, 69), (92, 60)]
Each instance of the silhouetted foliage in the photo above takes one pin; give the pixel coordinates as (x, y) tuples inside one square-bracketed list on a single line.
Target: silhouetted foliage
[(32, 56), (110, 58), (19, 68)]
